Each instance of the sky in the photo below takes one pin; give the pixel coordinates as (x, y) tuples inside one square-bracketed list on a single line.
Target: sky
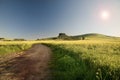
[(32, 19)]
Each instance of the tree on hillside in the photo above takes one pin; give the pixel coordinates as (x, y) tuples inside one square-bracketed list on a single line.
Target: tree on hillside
[(83, 38)]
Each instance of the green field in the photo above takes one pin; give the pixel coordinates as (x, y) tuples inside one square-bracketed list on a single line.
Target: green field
[(77, 60), (7, 49), (81, 61)]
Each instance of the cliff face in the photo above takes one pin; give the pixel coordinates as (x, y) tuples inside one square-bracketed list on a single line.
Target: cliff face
[(63, 36)]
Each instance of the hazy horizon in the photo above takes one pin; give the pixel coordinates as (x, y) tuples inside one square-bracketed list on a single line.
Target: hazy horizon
[(32, 19)]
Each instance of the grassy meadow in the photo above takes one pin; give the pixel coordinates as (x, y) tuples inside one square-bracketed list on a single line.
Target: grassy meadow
[(9, 47), (86, 60), (77, 59)]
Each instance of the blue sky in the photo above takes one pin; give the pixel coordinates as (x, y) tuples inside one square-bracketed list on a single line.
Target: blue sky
[(31, 19)]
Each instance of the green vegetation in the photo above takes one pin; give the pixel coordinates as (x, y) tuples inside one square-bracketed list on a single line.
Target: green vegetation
[(95, 58), (90, 36), (96, 36), (81, 61), (11, 48)]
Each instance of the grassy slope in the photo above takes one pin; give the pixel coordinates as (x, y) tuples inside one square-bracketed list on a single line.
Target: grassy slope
[(96, 36), (90, 36)]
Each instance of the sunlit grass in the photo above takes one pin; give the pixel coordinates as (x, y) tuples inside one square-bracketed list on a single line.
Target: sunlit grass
[(77, 59), (86, 60)]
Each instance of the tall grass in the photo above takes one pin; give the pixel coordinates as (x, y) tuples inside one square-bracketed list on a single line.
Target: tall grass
[(81, 61), (7, 47), (77, 60)]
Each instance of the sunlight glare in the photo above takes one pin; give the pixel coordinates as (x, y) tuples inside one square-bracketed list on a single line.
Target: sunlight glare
[(105, 15)]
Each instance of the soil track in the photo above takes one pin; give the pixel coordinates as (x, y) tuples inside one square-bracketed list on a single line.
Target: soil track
[(33, 64)]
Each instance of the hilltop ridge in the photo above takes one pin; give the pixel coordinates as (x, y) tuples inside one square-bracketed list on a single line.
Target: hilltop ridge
[(88, 36)]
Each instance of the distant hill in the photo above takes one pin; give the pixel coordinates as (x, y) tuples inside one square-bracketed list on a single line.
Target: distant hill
[(89, 36), (95, 36)]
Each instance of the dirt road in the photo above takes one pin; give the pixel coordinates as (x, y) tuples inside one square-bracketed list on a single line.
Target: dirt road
[(33, 64)]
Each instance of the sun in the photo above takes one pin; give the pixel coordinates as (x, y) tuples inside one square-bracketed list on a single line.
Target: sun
[(105, 15)]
